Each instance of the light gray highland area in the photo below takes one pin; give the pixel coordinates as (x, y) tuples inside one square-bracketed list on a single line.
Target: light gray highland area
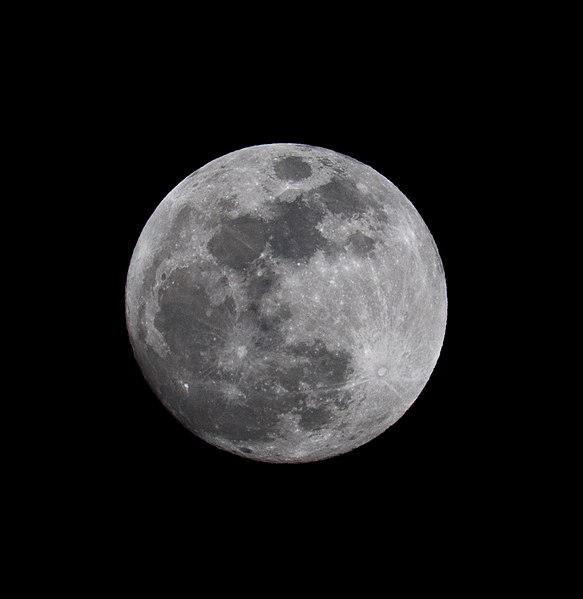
[(286, 303)]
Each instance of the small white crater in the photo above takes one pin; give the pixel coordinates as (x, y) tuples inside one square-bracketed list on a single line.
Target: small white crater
[(241, 351), (185, 385), (382, 371)]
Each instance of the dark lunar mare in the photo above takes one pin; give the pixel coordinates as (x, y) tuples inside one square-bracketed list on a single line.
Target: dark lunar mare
[(292, 168), (293, 232), (239, 241), (341, 196)]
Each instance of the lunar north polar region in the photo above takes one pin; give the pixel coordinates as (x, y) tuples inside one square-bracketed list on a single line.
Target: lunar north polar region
[(286, 303)]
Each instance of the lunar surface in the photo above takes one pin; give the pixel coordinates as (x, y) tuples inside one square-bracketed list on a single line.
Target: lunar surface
[(286, 303)]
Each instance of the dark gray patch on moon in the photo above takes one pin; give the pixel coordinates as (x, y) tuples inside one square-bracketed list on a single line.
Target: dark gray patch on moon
[(293, 233), (190, 324), (326, 367), (341, 196), (317, 367), (315, 418), (213, 416), (239, 241), (292, 168)]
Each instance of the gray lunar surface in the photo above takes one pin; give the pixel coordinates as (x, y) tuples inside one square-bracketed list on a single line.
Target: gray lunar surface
[(286, 303)]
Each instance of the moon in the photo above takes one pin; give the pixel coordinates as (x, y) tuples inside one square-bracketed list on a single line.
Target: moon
[(286, 303)]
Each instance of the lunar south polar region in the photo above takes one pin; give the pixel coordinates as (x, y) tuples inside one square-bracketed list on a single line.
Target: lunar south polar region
[(286, 303)]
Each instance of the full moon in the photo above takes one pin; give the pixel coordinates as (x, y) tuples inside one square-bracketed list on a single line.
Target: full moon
[(286, 303)]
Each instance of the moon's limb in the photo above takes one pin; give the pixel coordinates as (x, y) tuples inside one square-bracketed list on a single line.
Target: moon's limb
[(286, 303)]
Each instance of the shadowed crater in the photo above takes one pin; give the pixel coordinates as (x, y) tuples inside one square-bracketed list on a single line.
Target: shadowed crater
[(292, 168), (239, 241), (293, 233)]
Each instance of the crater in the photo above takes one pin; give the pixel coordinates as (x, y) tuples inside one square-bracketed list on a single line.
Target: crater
[(239, 242), (293, 233), (292, 168)]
